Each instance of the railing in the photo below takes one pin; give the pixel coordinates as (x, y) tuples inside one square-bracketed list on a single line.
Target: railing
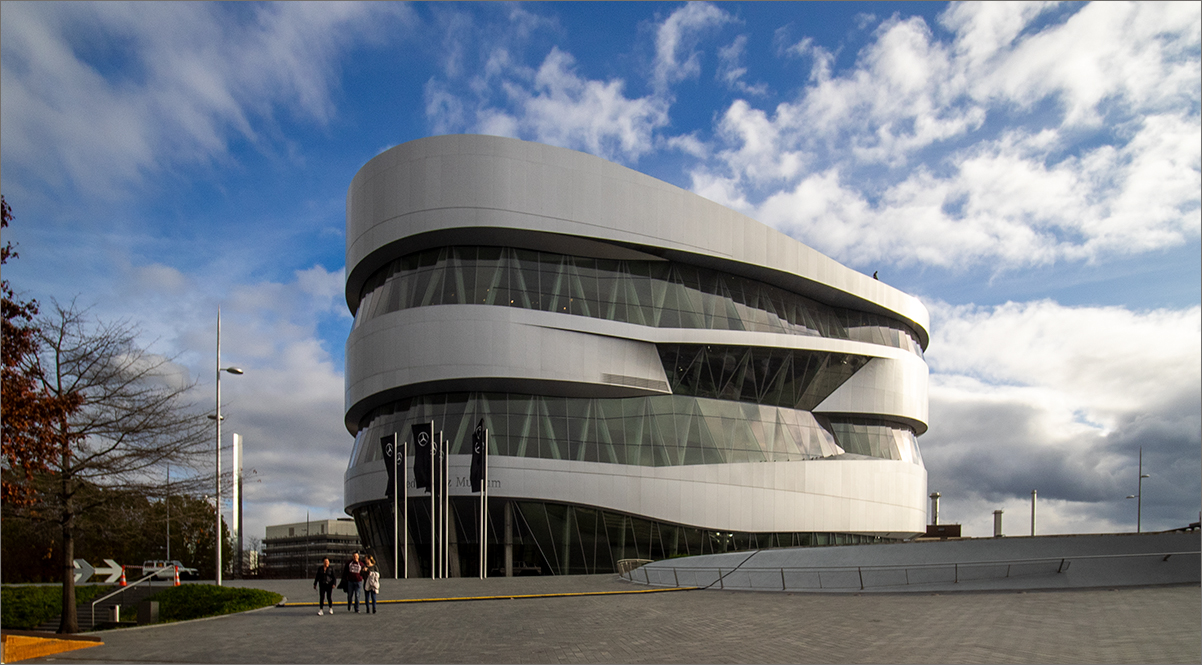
[(627, 565), (862, 577), (123, 589)]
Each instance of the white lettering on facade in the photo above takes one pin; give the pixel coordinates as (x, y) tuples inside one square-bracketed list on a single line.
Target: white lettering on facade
[(457, 481)]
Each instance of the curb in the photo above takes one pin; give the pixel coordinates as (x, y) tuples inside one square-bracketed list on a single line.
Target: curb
[(453, 599)]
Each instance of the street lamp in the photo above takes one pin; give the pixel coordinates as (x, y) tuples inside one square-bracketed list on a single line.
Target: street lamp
[(1138, 496), (218, 418)]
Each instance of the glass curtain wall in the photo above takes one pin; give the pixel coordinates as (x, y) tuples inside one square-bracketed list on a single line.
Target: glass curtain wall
[(562, 539), (671, 430), (873, 437), (663, 294), (732, 404)]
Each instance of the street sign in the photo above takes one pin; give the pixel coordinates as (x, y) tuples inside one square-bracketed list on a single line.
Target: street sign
[(83, 571), (114, 571)]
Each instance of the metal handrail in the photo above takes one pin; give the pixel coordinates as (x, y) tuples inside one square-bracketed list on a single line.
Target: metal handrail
[(722, 572), (126, 588), (988, 562)]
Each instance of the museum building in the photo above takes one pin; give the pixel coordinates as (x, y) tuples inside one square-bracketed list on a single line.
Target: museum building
[(659, 375)]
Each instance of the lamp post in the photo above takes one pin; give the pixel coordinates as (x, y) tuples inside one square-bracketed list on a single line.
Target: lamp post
[(217, 505), (1139, 493), (167, 503)]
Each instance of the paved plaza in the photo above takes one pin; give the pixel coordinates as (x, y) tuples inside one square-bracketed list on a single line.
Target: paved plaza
[(1148, 624)]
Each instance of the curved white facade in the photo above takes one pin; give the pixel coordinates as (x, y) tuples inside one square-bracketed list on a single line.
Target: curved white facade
[(641, 355)]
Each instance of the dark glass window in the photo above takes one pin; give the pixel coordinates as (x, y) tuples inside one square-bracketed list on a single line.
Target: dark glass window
[(781, 377)]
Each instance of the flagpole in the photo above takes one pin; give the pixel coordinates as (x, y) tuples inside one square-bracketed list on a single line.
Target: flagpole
[(433, 510), (484, 540), (446, 503), (480, 530), (396, 540), (446, 522), (405, 504), (442, 513), (483, 506)]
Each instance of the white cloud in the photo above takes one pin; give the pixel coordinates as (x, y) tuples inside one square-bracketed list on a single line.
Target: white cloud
[(904, 157), (689, 144), (1139, 55), (565, 109), (444, 110), (1002, 202), (763, 154), (985, 29), (731, 70), (552, 102), (676, 54), (1059, 399), (1116, 360), (156, 279), (904, 94), (95, 96)]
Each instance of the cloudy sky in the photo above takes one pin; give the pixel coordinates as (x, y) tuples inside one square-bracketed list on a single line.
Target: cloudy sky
[(1030, 171)]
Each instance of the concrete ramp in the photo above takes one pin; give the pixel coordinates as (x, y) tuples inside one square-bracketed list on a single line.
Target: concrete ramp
[(982, 564)]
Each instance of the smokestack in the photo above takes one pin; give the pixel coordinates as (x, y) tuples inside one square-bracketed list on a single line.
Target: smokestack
[(935, 507), (997, 524)]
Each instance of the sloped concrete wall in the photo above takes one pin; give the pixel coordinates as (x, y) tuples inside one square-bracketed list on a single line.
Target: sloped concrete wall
[(994, 564)]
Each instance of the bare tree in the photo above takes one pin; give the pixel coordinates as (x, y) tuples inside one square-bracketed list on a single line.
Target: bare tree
[(133, 420), (252, 560), (29, 413)]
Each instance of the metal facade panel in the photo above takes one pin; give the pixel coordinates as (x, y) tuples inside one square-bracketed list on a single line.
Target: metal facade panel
[(557, 198)]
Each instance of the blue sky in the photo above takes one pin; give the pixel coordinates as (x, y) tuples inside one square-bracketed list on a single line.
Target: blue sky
[(1029, 170)]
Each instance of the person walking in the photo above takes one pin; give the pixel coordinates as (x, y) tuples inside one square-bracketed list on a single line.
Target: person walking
[(324, 582), (371, 585), (352, 578)]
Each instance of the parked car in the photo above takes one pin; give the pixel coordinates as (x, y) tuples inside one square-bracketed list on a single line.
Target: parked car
[(168, 572)]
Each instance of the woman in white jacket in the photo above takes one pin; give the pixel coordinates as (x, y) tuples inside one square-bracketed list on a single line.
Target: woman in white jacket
[(371, 585)]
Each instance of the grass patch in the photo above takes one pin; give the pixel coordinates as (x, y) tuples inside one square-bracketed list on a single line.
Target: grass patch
[(193, 601), (27, 607)]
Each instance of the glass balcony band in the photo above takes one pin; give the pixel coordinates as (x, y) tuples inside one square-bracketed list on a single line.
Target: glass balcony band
[(664, 430), (663, 294)]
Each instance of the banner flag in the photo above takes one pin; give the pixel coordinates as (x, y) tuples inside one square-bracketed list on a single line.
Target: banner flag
[(389, 447), (478, 453), (423, 440)]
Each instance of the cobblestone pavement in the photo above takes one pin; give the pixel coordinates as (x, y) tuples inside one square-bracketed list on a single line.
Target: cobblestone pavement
[(1151, 624)]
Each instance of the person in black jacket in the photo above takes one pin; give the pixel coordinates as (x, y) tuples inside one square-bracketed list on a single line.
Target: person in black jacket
[(352, 581), (324, 582)]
